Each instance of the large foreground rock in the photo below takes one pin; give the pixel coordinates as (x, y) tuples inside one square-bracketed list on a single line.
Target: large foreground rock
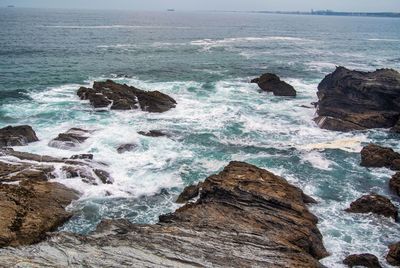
[(124, 97), (244, 217), (374, 155), (374, 203), (394, 183), (272, 83), (17, 136), (393, 256), (364, 260), (354, 100)]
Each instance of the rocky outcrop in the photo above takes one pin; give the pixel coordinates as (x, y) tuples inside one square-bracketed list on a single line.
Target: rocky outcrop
[(244, 217), (365, 260), (124, 97), (153, 133), (70, 139), (394, 183), (354, 100), (272, 83), (377, 156), (126, 148), (17, 136), (189, 193), (393, 257), (374, 203)]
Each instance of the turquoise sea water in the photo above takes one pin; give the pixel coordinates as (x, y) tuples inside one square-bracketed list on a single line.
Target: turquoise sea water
[(204, 61)]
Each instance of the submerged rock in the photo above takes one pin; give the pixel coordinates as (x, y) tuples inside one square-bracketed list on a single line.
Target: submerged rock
[(393, 257), (377, 156), (394, 183), (124, 97), (272, 83), (153, 133), (354, 100), (70, 139), (365, 260), (17, 136), (126, 148), (244, 217), (374, 203)]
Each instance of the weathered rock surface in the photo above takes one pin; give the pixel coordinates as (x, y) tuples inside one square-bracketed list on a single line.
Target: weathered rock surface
[(272, 83), (244, 217), (377, 156), (124, 97), (17, 136), (374, 203), (70, 139), (354, 100), (153, 133), (189, 193), (394, 183), (365, 260), (393, 257)]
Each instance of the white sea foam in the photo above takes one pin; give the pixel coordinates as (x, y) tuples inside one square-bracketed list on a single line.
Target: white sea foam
[(383, 40), (317, 160)]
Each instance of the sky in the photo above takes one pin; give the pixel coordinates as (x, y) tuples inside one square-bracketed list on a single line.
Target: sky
[(238, 5)]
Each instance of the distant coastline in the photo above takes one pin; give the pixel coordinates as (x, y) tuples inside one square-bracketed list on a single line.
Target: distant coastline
[(335, 13)]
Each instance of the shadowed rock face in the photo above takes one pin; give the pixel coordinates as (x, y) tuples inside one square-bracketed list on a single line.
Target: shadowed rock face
[(123, 97), (365, 260), (353, 100), (70, 139), (393, 256), (17, 136), (244, 217), (394, 183), (374, 203), (377, 156), (272, 83)]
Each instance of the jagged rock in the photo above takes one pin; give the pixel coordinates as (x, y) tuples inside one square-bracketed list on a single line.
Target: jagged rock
[(365, 260), (17, 136), (374, 203), (353, 100), (272, 83), (82, 156), (124, 97), (189, 193), (377, 156), (70, 139), (153, 133), (126, 148), (104, 176), (244, 217), (393, 257), (29, 156), (394, 183)]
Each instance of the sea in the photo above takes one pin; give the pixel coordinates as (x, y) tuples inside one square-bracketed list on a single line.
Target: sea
[(204, 60)]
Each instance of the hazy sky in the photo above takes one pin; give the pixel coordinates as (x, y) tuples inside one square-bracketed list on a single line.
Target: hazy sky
[(243, 5)]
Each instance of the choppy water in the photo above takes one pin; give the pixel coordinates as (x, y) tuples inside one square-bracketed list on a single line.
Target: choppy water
[(204, 61)]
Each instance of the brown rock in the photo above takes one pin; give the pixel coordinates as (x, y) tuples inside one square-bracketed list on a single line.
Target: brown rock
[(365, 260), (17, 136), (17, 171), (189, 193), (393, 257), (82, 156), (70, 139), (394, 183), (272, 83), (377, 156), (374, 203), (336, 124)]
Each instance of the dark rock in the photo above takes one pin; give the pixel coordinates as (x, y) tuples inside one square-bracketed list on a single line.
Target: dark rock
[(29, 156), (272, 83), (377, 156), (126, 148), (70, 139), (393, 257), (365, 260), (374, 203), (153, 133), (17, 136), (123, 97), (244, 217), (18, 171), (82, 156), (394, 183), (104, 176), (359, 100), (79, 172), (396, 128), (189, 193)]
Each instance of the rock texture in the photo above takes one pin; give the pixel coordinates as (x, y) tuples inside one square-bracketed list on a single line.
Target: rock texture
[(124, 97), (272, 83), (126, 148), (394, 183), (354, 100), (374, 203), (393, 257), (377, 156), (244, 217), (153, 133), (17, 136), (365, 260), (70, 139)]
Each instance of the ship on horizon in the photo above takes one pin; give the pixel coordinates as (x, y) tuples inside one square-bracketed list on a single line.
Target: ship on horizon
[(171, 9)]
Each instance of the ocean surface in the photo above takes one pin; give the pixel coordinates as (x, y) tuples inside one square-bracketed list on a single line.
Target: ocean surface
[(205, 61)]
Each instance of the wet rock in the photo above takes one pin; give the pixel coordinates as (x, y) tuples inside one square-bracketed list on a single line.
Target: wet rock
[(272, 83), (393, 257), (365, 260), (82, 156), (17, 136), (18, 171), (124, 97), (189, 193), (374, 203), (354, 100), (104, 176), (396, 128), (244, 217), (126, 148), (153, 133), (84, 173), (29, 156), (70, 139), (377, 156), (394, 183)]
